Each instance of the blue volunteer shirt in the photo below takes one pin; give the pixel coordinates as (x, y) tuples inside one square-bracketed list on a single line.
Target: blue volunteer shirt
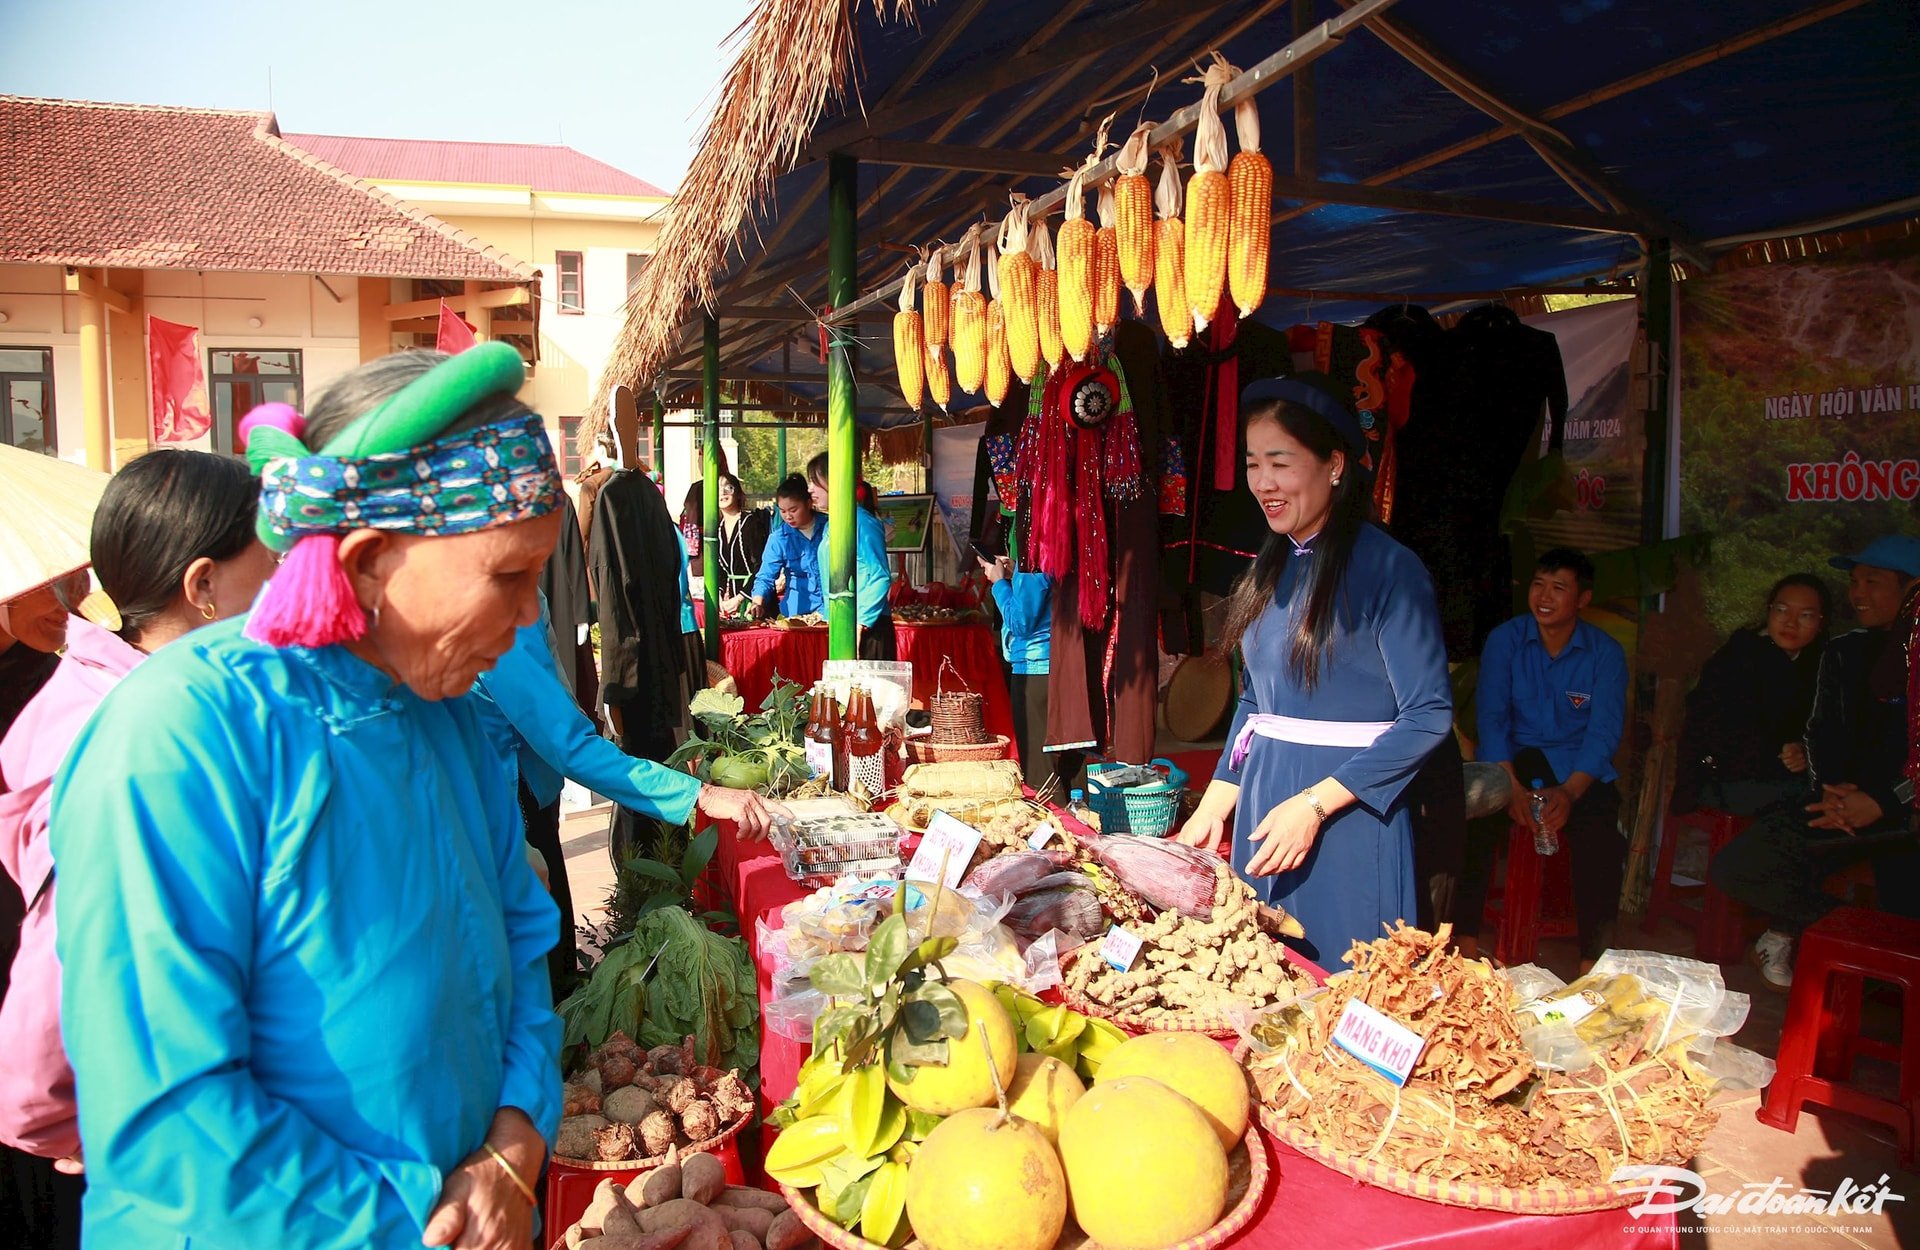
[(1572, 706), (804, 559)]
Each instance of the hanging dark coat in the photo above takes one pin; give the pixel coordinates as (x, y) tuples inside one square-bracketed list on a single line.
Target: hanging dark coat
[(634, 556)]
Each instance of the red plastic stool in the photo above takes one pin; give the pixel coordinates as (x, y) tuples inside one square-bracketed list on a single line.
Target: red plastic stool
[(1822, 1033), (1718, 922), (1537, 900)]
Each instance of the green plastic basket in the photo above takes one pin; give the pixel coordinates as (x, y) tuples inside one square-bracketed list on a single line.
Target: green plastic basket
[(1147, 811)]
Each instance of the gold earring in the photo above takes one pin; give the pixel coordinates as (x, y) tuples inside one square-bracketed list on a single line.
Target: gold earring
[(207, 610)]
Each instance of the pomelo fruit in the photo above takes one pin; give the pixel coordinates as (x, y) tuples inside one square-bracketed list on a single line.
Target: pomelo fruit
[(1193, 1066), (964, 1081), (1042, 1091), (983, 1183), (1144, 1166)]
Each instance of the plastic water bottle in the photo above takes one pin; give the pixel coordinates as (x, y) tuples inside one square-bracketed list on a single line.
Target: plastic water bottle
[(1545, 840), (1078, 809)]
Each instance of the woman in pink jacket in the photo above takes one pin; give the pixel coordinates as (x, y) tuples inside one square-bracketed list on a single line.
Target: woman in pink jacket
[(173, 545)]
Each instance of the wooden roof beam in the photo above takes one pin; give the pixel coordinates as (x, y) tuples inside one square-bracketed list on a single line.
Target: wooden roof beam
[(951, 156), (1561, 155), (1600, 95)]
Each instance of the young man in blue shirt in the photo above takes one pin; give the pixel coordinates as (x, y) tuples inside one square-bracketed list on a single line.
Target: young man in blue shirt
[(1552, 701)]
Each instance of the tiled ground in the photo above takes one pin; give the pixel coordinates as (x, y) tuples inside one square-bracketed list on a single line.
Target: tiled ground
[(1825, 1148)]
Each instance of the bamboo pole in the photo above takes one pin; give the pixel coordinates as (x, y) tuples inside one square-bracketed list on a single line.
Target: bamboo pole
[(710, 492), (659, 441), (843, 457)]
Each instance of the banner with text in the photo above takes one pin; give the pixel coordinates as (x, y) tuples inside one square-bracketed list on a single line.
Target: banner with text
[(1799, 389)]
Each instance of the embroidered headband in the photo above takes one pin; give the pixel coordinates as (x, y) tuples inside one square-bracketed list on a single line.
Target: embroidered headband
[(388, 470), (1306, 395)]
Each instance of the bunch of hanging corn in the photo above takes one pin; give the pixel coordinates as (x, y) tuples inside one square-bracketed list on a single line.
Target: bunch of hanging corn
[(1209, 201), (968, 327), (1106, 267), (939, 377), (1133, 217), (936, 301), (1075, 290), (1169, 250), (999, 367), (909, 347), (1046, 288), (1250, 176), (1018, 291)]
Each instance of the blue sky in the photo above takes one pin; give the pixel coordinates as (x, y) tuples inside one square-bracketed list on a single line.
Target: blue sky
[(627, 81)]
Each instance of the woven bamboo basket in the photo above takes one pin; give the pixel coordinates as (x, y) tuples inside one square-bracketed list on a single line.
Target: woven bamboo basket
[(711, 1144), (923, 751), (959, 716), (1546, 1198), (1248, 1175)]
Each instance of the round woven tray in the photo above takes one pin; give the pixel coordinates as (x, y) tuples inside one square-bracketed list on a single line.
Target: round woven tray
[(1248, 1175), (922, 751), (708, 1146), (1547, 1198)]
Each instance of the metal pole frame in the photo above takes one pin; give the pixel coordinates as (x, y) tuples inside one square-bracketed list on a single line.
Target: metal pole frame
[(843, 455), (659, 441), (710, 492)]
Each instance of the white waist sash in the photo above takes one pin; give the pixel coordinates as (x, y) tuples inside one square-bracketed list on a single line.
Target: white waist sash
[(1313, 733)]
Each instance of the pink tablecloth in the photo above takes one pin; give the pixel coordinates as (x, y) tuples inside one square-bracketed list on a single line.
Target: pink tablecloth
[(1308, 1204)]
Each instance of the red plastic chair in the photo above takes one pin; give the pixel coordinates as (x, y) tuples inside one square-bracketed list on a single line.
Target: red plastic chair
[(1822, 1034), (1717, 922), (1537, 900)]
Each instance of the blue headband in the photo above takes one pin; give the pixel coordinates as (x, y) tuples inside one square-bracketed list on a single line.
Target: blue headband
[(1306, 395)]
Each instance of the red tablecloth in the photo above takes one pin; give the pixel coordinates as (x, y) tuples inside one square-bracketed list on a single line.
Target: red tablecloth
[(1308, 1204), (755, 655)]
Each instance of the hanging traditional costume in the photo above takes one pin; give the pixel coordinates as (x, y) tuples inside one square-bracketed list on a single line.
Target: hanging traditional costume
[(304, 952)]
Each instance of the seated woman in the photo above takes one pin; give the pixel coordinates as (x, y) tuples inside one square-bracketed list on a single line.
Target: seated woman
[(1741, 749), (300, 926), (792, 552), (173, 546)]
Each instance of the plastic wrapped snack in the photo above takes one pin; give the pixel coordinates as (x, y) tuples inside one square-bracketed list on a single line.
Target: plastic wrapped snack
[(819, 850)]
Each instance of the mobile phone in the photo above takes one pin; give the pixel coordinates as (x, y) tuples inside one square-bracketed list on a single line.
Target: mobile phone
[(985, 553)]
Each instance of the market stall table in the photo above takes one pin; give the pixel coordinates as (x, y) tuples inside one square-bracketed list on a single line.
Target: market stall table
[(1308, 1203), (755, 656)]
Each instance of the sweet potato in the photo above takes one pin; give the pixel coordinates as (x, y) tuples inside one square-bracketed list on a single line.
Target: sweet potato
[(593, 1219), (747, 1196), (702, 1178), (747, 1219), (678, 1213), (671, 1239), (743, 1241), (787, 1232), (661, 1185), (619, 1222)]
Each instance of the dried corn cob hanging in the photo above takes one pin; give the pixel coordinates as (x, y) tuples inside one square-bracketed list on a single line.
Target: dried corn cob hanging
[(1209, 201), (936, 301), (1018, 296), (1133, 217), (1169, 252), (909, 348), (1046, 304), (968, 328), (999, 367), (1250, 177), (939, 377), (1075, 289), (1106, 267)]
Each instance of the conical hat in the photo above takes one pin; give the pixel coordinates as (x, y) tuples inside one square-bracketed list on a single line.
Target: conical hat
[(46, 519)]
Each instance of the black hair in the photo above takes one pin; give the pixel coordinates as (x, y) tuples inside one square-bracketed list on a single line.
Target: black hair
[(1809, 581), (359, 391), (1567, 560), (693, 507), (1333, 549), (157, 516), (817, 468), (792, 486)]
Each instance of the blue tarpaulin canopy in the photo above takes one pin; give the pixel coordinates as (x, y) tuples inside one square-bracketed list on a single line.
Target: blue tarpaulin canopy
[(1481, 147)]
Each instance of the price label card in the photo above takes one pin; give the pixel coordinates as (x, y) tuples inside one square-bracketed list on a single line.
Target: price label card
[(1563, 1010), (1382, 1043), (1120, 949), (948, 841), (1041, 836)]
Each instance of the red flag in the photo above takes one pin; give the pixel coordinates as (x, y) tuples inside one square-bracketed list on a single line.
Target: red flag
[(455, 335), (180, 410)]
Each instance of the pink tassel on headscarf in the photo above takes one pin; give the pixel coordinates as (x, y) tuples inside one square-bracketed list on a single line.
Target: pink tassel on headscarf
[(309, 602)]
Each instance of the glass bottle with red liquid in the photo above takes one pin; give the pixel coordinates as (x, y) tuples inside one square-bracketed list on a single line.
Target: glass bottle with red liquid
[(822, 731), (865, 764)]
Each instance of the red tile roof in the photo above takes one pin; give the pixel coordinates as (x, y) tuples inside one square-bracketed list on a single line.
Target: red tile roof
[(536, 166), (147, 187)]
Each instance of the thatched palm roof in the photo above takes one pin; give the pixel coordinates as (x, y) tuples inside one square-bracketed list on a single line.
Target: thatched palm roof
[(794, 55)]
